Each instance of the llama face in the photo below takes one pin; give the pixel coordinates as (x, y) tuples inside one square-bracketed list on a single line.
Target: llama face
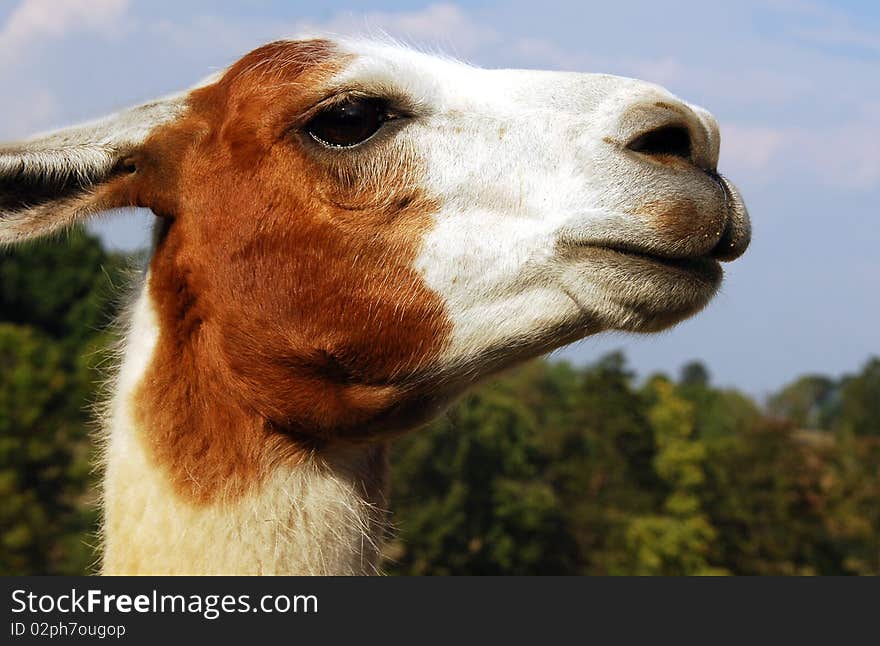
[(289, 263), (565, 204), (351, 233)]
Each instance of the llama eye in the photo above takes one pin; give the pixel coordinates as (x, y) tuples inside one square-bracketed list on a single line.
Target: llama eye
[(349, 123)]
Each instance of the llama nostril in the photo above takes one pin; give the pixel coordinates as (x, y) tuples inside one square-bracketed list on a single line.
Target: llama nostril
[(667, 141)]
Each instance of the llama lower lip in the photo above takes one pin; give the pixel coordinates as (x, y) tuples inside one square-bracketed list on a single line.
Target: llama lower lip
[(702, 267)]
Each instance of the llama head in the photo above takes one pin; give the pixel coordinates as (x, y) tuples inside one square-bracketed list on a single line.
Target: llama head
[(350, 233)]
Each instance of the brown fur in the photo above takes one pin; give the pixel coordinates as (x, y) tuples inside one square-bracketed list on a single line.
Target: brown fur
[(675, 219), (290, 315)]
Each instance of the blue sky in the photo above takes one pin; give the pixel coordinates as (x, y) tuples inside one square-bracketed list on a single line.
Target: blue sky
[(795, 86)]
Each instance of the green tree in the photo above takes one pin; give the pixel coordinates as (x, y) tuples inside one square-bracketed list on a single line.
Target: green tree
[(806, 403), (694, 373), (718, 412), (678, 540), (43, 465), (54, 300), (860, 400), (603, 470), (468, 494), (789, 501)]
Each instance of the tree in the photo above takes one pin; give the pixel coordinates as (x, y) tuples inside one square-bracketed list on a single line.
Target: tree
[(43, 462), (604, 471), (694, 373), (678, 540), (54, 300), (60, 288), (717, 412), (806, 403), (860, 400), (469, 497)]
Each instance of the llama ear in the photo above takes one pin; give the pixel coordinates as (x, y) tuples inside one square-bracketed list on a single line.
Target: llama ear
[(53, 181)]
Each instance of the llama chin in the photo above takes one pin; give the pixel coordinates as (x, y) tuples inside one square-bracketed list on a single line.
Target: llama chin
[(349, 235)]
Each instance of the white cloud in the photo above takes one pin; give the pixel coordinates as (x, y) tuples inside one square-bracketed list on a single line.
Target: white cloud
[(662, 70), (542, 52), (31, 25), (35, 20), (750, 148), (847, 154), (750, 89), (443, 25), (839, 33), (39, 107), (828, 26), (842, 155)]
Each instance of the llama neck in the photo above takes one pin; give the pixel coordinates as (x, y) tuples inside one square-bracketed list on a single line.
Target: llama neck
[(319, 514)]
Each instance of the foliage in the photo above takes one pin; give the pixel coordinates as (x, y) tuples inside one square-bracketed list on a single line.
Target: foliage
[(490, 512), (664, 479), (808, 402), (677, 539), (54, 300), (860, 400), (548, 469)]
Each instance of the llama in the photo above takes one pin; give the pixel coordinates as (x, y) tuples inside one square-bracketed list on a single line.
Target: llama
[(348, 235)]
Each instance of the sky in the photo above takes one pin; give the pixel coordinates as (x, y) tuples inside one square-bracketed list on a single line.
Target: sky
[(795, 86)]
